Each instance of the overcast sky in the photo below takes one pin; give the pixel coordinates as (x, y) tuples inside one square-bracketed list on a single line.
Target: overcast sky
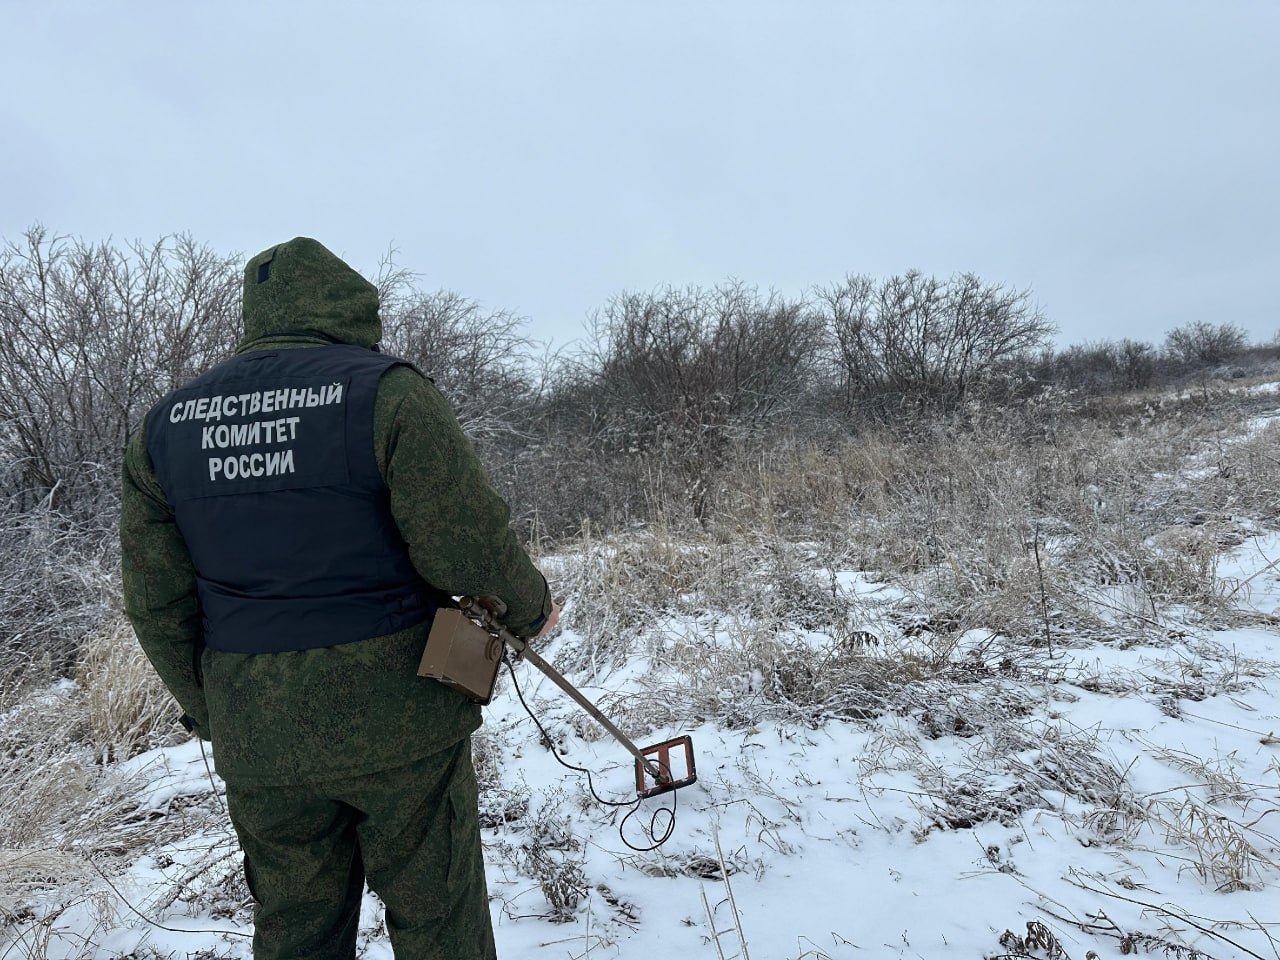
[(1119, 158)]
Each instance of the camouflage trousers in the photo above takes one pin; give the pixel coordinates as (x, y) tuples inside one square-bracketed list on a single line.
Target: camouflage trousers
[(412, 831)]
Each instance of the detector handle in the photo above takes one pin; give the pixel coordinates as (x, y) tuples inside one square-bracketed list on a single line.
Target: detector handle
[(488, 609)]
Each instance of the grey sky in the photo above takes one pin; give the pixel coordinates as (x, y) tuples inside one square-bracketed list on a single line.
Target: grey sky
[(1119, 157)]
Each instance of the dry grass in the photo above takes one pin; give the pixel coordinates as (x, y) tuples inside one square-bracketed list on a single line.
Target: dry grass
[(1033, 537), (1222, 821), (66, 813), (47, 776), (1040, 530), (57, 581), (24, 872), (995, 545), (1034, 523), (129, 709)]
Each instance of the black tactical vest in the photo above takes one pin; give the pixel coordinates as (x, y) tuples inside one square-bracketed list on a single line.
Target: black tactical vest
[(268, 463)]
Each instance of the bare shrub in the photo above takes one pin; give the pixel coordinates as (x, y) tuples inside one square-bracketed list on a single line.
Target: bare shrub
[(90, 336), (1135, 363), (1200, 343), (478, 358), (699, 358), (1106, 367), (552, 855), (560, 878), (678, 372), (923, 342), (561, 481)]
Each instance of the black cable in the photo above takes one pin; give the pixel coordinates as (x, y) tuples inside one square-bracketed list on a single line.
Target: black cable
[(658, 839)]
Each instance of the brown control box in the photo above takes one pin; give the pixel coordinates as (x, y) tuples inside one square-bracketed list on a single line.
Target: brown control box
[(462, 654)]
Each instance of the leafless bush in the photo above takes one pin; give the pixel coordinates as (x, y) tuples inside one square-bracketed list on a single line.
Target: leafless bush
[(677, 373), (478, 358), (1201, 344), (560, 878), (90, 336), (923, 342), (698, 359), (552, 856), (1107, 367)]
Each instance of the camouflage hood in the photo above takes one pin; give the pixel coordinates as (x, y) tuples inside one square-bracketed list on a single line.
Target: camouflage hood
[(300, 287)]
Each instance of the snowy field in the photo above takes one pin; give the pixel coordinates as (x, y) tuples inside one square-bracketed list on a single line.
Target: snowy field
[(1072, 796)]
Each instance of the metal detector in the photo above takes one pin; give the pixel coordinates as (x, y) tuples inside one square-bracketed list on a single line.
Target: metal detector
[(464, 651)]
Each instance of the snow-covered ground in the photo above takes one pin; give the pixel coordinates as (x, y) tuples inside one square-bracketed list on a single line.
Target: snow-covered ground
[(1111, 795), (1134, 792)]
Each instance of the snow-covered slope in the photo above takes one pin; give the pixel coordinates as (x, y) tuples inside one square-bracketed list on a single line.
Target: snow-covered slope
[(1116, 793), (1119, 793)]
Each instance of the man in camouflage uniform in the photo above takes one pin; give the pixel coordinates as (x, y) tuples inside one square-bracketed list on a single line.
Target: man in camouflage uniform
[(291, 520)]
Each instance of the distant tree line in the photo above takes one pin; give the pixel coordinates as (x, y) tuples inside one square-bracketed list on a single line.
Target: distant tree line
[(663, 386), (1116, 366)]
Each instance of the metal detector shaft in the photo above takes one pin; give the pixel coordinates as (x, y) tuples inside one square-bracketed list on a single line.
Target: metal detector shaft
[(522, 648)]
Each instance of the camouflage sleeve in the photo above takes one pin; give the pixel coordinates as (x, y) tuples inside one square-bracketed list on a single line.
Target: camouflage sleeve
[(456, 525), (160, 586)]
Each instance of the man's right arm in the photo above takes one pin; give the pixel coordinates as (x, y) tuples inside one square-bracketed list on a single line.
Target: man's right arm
[(456, 525)]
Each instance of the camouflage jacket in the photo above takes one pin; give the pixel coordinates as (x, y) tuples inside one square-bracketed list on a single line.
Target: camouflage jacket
[(359, 707)]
